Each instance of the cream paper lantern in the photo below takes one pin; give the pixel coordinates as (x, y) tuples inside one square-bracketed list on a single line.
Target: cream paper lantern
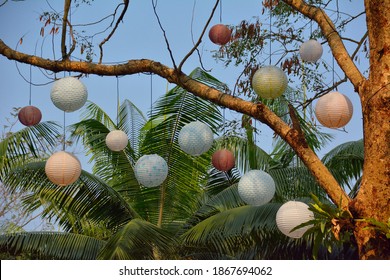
[(310, 51), (292, 214), (68, 94), (195, 138), (151, 170), (256, 187), (63, 168), (334, 110), (269, 82), (116, 140)]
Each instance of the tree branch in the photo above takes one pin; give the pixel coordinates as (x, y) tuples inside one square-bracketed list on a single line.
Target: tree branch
[(64, 24)]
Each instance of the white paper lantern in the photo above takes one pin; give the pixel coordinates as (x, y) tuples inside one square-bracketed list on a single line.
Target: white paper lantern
[(310, 51), (151, 170), (63, 168), (334, 110), (256, 187), (195, 138), (292, 214), (68, 94), (116, 140), (269, 82)]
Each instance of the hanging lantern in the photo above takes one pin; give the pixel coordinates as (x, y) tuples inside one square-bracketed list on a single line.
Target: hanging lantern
[(223, 160), (116, 140), (195, 138), (269, 82), (310, 51), (334, 110), (256, 187), (292, 214), (63, 168), (220, 34), (29, 115), (68, 94), (151, 170)]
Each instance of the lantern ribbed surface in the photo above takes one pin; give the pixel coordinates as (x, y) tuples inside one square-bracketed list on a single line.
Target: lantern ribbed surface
[(256, 187), (310, 51), (116, 140), (68, 94), (151, 170), (195, 138), (220, 34), (334, 110), (223, 160), (29, 115), (292, 214), (63, 168), (269, 82)]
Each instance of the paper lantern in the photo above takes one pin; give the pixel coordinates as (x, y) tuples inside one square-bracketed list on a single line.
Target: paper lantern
[(29, 115), (220, 34), (195, 138), (116, 140), (256, 187), (63, 168), (151, 170), (68, 94), (269, 82), (223, 160), (292, 214), (334, 110), (310, 51)]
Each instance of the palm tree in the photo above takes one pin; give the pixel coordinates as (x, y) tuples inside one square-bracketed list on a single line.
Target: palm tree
[(196, 213)]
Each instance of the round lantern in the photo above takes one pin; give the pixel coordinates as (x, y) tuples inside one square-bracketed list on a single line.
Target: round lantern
[(292, 214), (63, 168), (334, 110), (223, 160), (29, 115), (220, 34), (195, 138), (151, 170), (269, 82), (68, 94), (311, 51), (116, 140), (256, 187)]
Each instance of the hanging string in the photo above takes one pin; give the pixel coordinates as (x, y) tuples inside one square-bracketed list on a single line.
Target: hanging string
[(29, 101), (220, 11), (117, 102), (270, 35), (64, 141), (151, 103)]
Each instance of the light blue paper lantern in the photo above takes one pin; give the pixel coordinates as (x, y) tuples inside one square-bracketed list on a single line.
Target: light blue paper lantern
[(195, 138), (292, 214), (256, 187), (151, 170), (269, 82), (68, 94), (310, 51)]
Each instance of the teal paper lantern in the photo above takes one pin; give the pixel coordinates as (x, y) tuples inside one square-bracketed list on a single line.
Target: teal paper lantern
[(256, 187), (68, 94), (195, 138), (151, 170), (269, 82)]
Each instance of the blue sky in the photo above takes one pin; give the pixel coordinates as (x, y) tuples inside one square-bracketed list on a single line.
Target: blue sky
[(138, 37)]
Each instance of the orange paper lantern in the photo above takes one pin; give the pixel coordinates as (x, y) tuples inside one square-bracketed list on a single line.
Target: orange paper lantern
[(29, 115), (63, 168), (223, 160), (220, 34)]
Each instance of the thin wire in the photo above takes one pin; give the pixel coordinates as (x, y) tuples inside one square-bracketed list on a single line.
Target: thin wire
[(220, 11), (151, 102), (270, 35), (29, 102), (63, 144), (117, 101)]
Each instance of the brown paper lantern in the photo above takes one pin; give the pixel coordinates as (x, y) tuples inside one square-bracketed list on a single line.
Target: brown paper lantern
[(63, 168), (220, 34), (334, 110), (29, 115), (223, 160)]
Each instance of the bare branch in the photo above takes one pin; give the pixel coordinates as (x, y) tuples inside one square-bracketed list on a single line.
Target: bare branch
[(64, 24)]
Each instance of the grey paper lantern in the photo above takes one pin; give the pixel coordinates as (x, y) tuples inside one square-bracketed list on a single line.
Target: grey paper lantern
[(334, 110), (63, 168), (116, 140), (256, 187), (151, 170), (68, 94), (269, 82), (195, 138), (292, 214), (310, 51)]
